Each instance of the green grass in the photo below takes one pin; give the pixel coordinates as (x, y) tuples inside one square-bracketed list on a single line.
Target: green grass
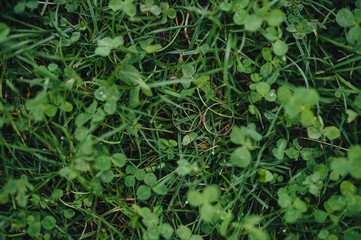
[(89, 149)]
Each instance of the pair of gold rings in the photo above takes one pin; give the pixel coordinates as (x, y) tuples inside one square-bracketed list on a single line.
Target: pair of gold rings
[(187, 117)]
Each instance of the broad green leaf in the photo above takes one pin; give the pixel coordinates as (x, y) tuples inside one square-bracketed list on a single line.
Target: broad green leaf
[(32, 4), (300, 205), (68, 107), (240, 4), (345, 18), (82, 118), (292, 215), (183, 232), (339, 166), (284, 200), (166, 230), (354, 35), (266, 69), (255, 97), (336, 203), (34, 229), (110, 107), (68, 173), (279, 47), (150, 179), (143, 192), (150, 220), (99, 115), (151, 234), (284, 94), (20, 7), (278, 153), (195, 198), (116, 5), (102, 51), (257, 234), (109, 93), (184, 167), (271, 34), (106, 42), (263, 88), (240, 16), (107, 176), (134, 97), (155, 10), (331, 132), (323, 234), (119, 159), (71, 77), (56, 194), (207, 212), (171, 13), (251, 131), (275, 17), (252, 22), (267, 54), (281, 144), (320, 216), (186, 140), (139, 174), (50, 110), (293, 108), (153, 48), (351, 115), (69, 213), (129, 181), (309, 97), (48, 222), (241, 157), (357, 14), (322, 170), (237, 136), (130, 9), (130, 75), (347, 188), (314, 132), (102, 162), (172, 143), (224, 6), (4, 31), (307, 118), (162, 143), (211, 193), (130, 169), (265, 176), (160, 189)]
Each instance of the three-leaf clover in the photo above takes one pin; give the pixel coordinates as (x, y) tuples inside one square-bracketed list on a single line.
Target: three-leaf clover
[(241, 156), (107, 44), (127, 6), (294, 205), (261, 90), (167, 145), (299, 103), (204, 200)]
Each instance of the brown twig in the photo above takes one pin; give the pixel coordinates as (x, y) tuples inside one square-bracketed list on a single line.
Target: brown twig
[(325, 143)]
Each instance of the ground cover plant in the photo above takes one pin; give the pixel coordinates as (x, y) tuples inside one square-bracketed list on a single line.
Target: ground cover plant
[(89, 149)]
